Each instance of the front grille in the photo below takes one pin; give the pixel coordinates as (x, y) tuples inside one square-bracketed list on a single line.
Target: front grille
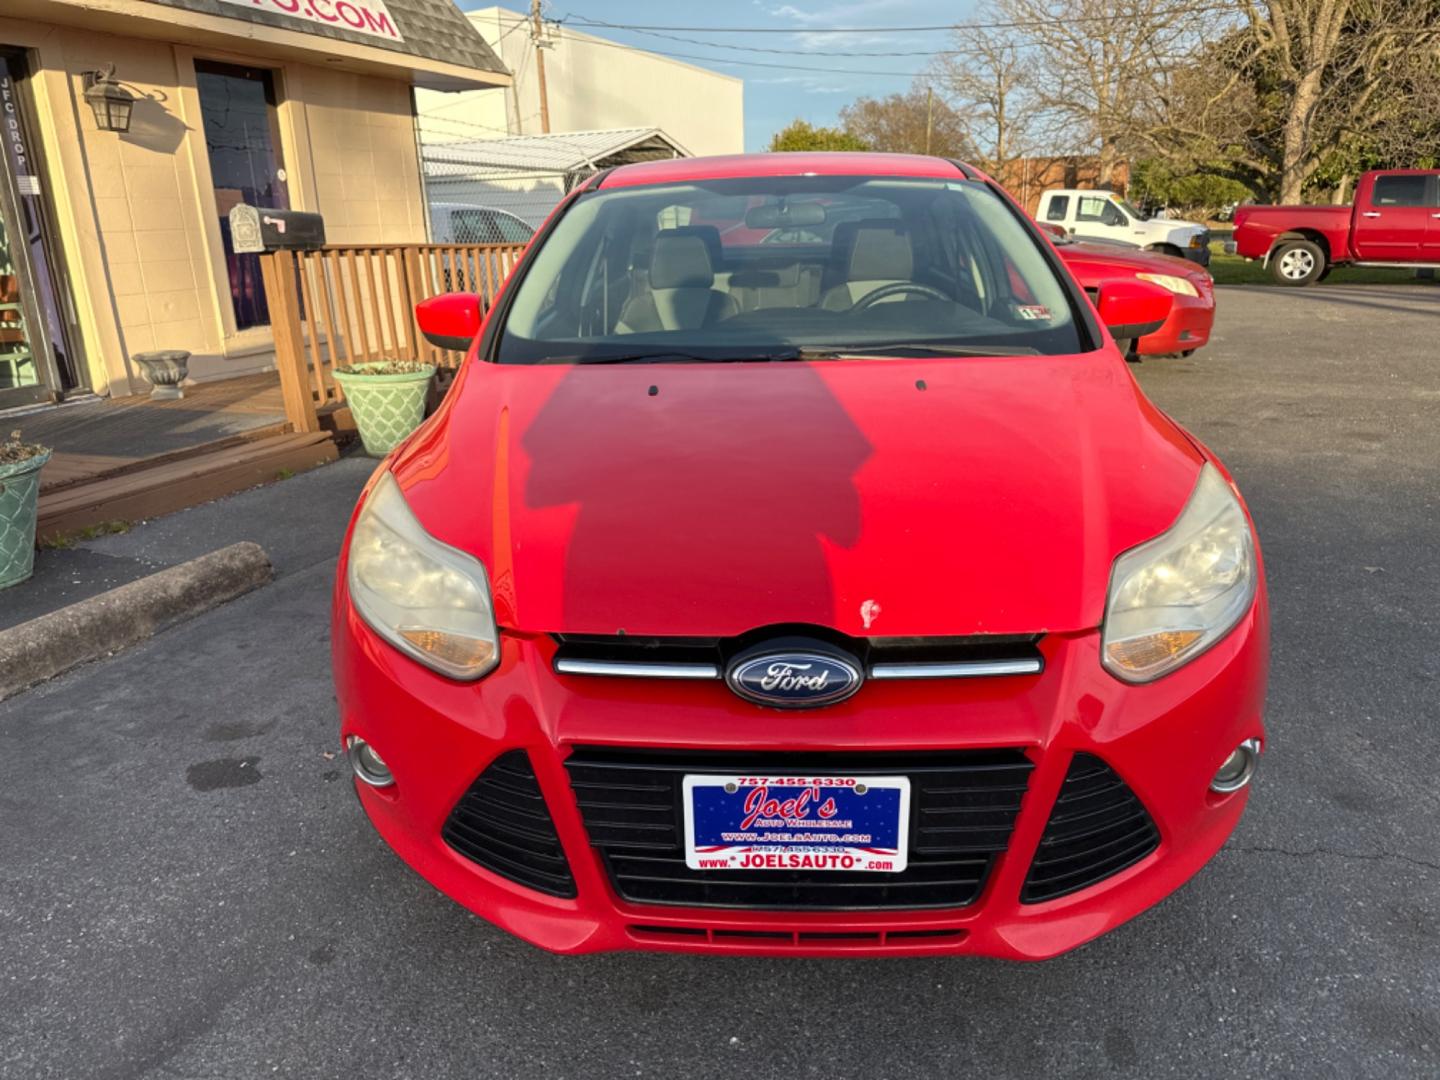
[(871, 652), (962, 808), (502, 823), (1097, 828)]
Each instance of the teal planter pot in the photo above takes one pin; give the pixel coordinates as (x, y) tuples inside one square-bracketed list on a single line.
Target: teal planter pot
[(386, 408), (19, 492)]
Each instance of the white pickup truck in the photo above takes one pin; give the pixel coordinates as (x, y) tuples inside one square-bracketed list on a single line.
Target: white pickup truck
[(1103, 215)]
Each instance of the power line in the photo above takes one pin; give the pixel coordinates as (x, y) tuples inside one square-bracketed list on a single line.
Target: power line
[(743, 63), (603, 43), (762, 49), (1018, 24)]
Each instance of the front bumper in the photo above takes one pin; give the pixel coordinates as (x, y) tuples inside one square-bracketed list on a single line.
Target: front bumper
[(1165, 739), (1187, 328)]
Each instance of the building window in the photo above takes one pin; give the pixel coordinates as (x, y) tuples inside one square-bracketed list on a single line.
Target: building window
[(242, 136)]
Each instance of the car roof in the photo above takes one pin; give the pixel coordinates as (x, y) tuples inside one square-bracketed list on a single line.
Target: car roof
[(681, 170)]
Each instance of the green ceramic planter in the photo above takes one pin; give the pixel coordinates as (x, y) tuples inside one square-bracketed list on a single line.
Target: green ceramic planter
[(386, 407), (19, 491)]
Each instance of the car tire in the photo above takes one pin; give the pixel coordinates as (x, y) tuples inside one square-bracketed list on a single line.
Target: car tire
[(1297, 262), (1188, 352)]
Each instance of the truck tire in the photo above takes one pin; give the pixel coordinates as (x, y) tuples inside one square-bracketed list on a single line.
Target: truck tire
[(1167, 249), (1297, 262)]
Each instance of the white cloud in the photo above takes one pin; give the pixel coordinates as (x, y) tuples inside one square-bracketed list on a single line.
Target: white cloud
[(877, 13)]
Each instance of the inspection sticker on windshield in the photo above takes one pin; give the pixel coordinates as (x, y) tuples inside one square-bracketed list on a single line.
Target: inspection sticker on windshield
[(1033, 312), (803, 823)]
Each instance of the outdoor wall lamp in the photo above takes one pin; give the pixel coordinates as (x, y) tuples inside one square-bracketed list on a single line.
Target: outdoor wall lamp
[(111, 102)]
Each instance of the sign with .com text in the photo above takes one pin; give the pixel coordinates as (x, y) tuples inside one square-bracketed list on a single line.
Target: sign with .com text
[(359, 16)]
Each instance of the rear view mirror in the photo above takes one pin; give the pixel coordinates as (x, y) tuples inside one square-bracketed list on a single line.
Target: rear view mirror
[(451, 320), (799, 215), (1131, 309), (1055, 232)]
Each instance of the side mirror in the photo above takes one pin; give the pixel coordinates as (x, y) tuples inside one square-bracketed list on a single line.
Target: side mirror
[(451, 320), (1057, 232), (1131, 309)]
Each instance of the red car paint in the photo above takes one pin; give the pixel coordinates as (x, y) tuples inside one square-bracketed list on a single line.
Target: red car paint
[(882, 498), (1191, 317), (1379, 228)]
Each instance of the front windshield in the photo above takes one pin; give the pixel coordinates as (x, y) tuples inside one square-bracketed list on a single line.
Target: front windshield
[(1124, 204), (786, 268)]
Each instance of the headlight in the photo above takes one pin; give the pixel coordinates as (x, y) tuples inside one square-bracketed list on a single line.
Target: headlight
[(425, 598), (1173, 597), (1174, 284)]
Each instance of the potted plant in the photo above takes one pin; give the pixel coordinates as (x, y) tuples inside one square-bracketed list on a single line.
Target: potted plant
[(20, 465), (387, 399)]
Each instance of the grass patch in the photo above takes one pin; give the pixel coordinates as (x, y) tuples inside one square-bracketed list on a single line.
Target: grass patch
[(1233, 270), (89, 532)]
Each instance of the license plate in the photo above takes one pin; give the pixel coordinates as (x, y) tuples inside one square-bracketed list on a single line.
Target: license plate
[(809, 823)]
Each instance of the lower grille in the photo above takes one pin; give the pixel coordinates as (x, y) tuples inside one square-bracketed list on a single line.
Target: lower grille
[(1097, 828), (962, 808), (502, 823), (855, 939)]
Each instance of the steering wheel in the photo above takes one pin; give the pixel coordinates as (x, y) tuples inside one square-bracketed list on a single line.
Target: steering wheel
[(897, 289)]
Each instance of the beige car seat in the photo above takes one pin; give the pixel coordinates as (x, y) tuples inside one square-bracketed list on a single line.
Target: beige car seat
[(681, 295), (880, 254)]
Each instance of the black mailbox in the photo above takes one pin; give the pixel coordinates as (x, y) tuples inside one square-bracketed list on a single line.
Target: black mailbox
[(254, 228)]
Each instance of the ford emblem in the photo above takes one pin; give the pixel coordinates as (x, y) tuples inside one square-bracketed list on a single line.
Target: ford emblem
[(793, 678)]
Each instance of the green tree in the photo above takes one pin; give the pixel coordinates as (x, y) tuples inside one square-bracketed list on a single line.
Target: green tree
[(798, 135), (1193, 193)]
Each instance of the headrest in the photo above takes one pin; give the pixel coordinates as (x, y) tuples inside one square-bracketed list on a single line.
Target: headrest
[(881, 252), (681, 261)]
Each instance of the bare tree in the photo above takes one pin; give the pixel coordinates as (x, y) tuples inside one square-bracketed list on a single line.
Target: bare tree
[(1333, 62), (989, 82), (1087, 70), (917, 122)]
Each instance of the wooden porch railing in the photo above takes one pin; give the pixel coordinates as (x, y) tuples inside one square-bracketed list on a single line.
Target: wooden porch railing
[(345, 305)]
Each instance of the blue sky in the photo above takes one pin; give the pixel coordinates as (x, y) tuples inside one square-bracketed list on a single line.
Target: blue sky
[(775, 96)]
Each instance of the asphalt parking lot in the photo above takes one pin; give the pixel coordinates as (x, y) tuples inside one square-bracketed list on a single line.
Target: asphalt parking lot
[(189, 889)]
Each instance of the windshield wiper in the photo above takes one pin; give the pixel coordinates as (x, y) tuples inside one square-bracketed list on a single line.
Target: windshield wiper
[(908, 348)]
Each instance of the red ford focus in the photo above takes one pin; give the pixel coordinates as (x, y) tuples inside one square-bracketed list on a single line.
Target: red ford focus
[(795, 567)]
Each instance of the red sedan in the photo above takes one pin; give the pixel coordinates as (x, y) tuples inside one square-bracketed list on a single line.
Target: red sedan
[(1191, 315), (837, 594)]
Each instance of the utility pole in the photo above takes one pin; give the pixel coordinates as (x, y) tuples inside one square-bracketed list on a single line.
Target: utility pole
[(929, 115), (537, 31)]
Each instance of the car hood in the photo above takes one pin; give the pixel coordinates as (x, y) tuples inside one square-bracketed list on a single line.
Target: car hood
[(1093, 262), (878, 497)]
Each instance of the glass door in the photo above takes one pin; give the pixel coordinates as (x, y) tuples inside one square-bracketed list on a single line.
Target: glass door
[(37, 320), (242, 136)]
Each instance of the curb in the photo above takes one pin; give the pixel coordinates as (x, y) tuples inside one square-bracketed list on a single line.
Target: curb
[(90, 629)]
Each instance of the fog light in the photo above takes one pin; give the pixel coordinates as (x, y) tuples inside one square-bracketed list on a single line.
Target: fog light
[(1238, 768), (369, 766)]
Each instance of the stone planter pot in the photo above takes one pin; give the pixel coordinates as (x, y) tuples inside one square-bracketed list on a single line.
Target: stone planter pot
[(386, 407), (19, 490), (165, 371)]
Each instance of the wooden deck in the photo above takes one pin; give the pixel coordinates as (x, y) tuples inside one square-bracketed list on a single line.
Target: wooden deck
[(111, 435), (131, 458)]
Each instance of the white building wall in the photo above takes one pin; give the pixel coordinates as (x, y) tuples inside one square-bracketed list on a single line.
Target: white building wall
[(591, 87)]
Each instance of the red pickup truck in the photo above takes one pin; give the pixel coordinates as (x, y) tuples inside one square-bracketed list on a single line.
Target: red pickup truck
[(1395, 222)]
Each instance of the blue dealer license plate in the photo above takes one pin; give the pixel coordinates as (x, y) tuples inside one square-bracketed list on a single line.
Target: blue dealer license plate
[(797, 823)]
